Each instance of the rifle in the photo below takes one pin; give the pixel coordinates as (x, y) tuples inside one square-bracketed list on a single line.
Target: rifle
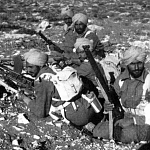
[(31, 32), (61, 60), (108, 93), (49, 42), (15, 79), (7, 87)]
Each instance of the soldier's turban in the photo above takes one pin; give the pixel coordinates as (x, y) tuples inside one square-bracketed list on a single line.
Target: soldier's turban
[(67, 11), (36, 57), (80, 17), (81, 42), (132, 54)]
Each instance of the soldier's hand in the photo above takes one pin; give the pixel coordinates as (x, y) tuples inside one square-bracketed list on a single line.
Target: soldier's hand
[(108, 107), (24, 98), (68, 61), (26, 91), (46, 76), (90, 94)]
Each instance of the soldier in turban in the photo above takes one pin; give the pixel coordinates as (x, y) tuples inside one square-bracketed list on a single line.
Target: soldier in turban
[(85, 69), (130, 58), (69, 37), (80, 22), (46, 93), (67, 14), (36, 64), (133, 88)]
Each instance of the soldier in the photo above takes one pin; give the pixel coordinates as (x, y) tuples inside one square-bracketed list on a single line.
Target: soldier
[(109, 72), (36, 64), (67, 14), (69, 36), (133, 88), (85, 69), (48, 94), (80, 22)]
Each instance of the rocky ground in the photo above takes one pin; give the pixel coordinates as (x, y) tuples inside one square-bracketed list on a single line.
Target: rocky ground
[(122, 23)]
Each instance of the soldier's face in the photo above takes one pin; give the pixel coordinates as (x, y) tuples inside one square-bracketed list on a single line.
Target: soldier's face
[(136, 68), (67, 20), (80, 27), (32, 69), (81, 54)]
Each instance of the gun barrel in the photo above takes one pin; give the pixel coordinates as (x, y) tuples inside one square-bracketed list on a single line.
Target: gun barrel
[(8, 87), (49, 42), (107, 90), (6, 59), (22, 81), (97, 70)]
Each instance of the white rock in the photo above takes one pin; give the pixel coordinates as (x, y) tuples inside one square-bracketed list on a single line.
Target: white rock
[(17, 128), (95, 27), (22, 119), (15, 36), (15, 142), (36, 137), (142, 44)]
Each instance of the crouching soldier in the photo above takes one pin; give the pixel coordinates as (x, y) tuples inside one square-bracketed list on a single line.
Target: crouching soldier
[(76, 100), (65, 92), (36, 64)]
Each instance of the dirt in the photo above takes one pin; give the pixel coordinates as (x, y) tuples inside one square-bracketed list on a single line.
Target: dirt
[(122, 22)]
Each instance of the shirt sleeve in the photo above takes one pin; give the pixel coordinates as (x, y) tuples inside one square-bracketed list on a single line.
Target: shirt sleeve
[(117, 87), (84, 69), (139, 120), (92, 36)]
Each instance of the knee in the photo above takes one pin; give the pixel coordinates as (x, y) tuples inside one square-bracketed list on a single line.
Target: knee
[(101, 130), (129, 135)]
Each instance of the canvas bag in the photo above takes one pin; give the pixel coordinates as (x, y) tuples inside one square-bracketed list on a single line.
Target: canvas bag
[(66, 81)]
